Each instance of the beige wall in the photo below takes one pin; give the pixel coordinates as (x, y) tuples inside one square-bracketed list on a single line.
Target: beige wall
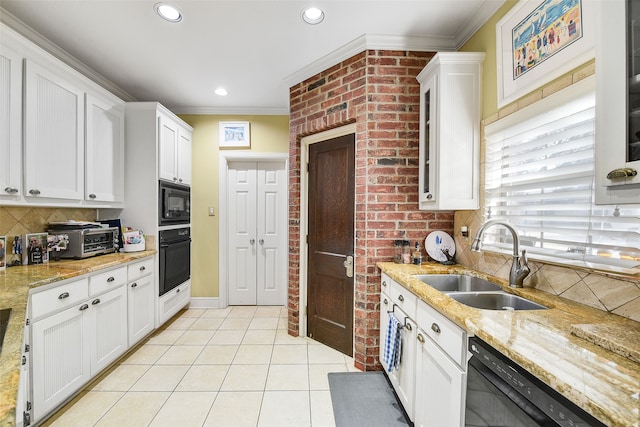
[(269, 134), (617, 295)]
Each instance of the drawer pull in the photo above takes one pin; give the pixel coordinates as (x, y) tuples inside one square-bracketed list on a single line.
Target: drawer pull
[(95, 301), (435, 328), (84, 307), (111, 279), (621, 173), (34, 192), (408, 326), (92, 196), (63, 295), (143, 268), (386, 302), (384, 283), (11, 190), (178, 291), (421, 338), (400, 298), (134, 285)]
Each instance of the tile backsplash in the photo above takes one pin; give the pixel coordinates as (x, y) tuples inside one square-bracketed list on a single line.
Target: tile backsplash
[(18, 221)]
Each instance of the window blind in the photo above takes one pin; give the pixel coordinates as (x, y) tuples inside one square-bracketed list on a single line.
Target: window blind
[(539, 177)]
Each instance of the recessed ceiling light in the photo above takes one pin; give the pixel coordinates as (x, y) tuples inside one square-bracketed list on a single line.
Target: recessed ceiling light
[(168, 12), (221, 91), (313, 15)]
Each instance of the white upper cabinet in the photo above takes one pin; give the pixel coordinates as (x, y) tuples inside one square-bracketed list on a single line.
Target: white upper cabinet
[(10, 123), (618, 103), (54, 134), (450, 114), (104, 174), (61, 134), (174, 151)]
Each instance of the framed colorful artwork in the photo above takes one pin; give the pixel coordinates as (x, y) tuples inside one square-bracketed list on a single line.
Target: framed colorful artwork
[(538, 41), (235, 135)]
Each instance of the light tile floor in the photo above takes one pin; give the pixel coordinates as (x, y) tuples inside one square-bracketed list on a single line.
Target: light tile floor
[(234, 367)]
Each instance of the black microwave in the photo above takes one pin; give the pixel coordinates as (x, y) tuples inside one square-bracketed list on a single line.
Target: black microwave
[(174, 204)]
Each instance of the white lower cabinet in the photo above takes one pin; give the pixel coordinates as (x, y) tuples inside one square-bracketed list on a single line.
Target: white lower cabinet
[(431, 380), (141, 300), (440, 385), (171, 302), (82, 326)]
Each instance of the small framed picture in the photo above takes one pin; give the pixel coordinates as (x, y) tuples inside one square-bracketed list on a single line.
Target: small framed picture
[(3, 252), (37, 248), (235, 135)]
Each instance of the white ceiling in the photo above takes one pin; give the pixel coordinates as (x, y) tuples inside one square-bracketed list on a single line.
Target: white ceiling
[(255, 49)]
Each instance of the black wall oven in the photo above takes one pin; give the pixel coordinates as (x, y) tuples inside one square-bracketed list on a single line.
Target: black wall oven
[(174, 203), (175, 258), (501, 393)]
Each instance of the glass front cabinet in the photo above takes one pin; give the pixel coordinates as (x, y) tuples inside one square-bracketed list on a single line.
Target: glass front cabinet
[(618, 102), (450, 131)]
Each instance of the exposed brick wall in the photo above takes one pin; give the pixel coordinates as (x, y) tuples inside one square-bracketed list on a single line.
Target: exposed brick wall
[(377, 90)]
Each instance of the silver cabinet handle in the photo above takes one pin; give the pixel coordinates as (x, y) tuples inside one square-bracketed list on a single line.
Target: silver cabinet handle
[(384, 283), (261, 241), (34, 191), (92, 196), (408, 326), (63, 295), (84, 307), (386, 302), (11, 190), (429, 196), (143, 268), (252, 241), (421, 338), (95, 301), (400, 298), (435, 328), (179, 179), (111, 279), (134, 285), (178, 291)]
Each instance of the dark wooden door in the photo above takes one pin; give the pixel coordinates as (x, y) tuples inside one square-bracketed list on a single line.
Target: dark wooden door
[(331, 242)]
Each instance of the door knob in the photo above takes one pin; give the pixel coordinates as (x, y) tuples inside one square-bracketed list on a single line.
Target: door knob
[(348, 265)]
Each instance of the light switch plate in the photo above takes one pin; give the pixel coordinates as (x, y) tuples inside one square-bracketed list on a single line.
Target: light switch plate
[(212, 211)]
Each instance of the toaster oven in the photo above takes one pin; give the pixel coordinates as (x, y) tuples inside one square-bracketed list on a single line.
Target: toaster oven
[(88, 242)]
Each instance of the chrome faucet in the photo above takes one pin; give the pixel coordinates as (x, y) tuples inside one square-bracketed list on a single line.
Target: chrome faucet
[(519, 270)]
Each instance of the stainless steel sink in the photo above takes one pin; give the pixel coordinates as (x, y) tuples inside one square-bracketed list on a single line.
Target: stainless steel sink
[(457, 283), (495, 301)]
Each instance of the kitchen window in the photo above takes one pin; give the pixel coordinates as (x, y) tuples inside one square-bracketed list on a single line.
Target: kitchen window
[(539, 176)]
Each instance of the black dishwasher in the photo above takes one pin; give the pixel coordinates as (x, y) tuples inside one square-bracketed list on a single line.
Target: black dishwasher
[(500, 393)]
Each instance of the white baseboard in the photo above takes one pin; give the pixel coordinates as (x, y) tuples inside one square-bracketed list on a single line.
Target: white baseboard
[(203, 302)]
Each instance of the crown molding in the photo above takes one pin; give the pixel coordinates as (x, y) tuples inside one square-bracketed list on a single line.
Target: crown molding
[(48, 46), (367, 42), (237, 111), (482, 15)]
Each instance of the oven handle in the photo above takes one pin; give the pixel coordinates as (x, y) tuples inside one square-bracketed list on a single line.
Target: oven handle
[(175, 242)]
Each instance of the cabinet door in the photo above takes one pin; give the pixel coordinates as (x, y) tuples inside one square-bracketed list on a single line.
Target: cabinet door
[(108, 335), (617, 102), (184, 156), (167, 149), (54, 135), (10, 123), (440, 386), (385, 307), (141, 308), (61, 363), (404, 378), (104, 178), (428, 146)]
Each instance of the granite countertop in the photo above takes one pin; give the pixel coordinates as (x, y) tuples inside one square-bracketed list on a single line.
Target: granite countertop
[(568, 346), (15, 283)]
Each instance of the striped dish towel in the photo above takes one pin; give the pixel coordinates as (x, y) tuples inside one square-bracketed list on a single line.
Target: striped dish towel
[(393, 344)]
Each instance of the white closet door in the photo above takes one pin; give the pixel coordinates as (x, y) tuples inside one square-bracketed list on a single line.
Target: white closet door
[(257, 212), (272, 234), (242, 233)]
